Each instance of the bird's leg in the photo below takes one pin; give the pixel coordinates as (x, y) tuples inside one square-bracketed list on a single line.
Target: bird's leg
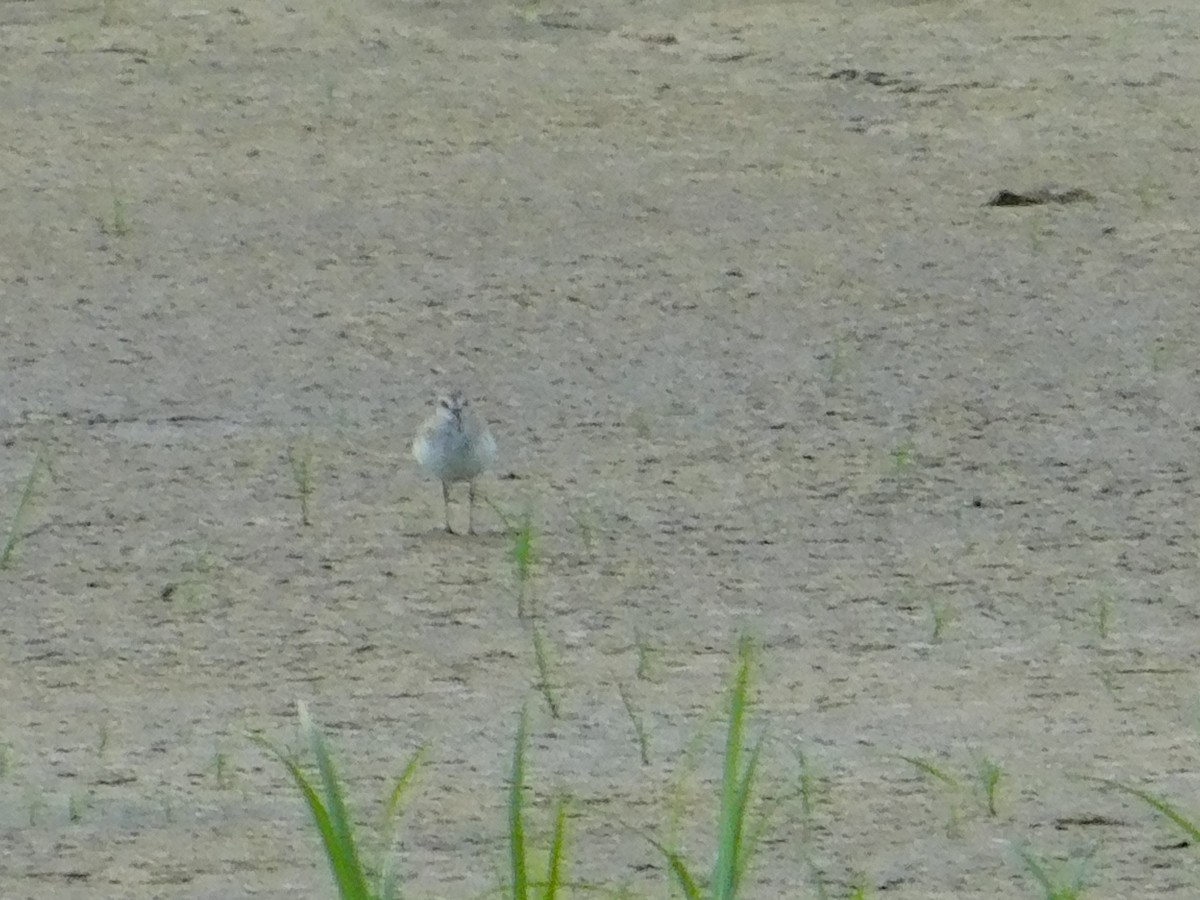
[(471, 508), (446, 503)]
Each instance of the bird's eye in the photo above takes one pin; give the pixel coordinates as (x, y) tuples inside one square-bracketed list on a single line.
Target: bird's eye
[(445, 404)]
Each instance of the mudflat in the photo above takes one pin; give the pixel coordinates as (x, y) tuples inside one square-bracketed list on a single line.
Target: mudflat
[(760, 359)]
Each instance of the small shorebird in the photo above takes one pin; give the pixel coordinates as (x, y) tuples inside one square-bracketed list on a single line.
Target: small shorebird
[(454, 444)]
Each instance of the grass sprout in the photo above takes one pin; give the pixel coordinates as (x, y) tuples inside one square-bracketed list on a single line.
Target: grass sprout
[(1189, 825), (1058, 882), (116, 221), (933, 771), (523, 883), (736, 836), (585, 524), (541, 655), (77, 805), (16, 525), (224, 771), (990, 774), (810, 787), (1104, 614), (645, 654), (639, 726), (941, 615), (300, 457), (904, 459), (953, 786), (325, 798), (524, 558)]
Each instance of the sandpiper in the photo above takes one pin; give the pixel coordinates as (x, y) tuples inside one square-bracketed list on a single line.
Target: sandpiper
[(454, 444)]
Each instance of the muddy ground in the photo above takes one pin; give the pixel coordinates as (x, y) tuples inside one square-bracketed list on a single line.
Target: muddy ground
[(759, 358)]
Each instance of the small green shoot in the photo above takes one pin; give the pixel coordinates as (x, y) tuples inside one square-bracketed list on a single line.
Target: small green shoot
[(954, 788), (937, 773), (809, 787), (77, 805), (735, 845), (395, 801), (522, 878), (224, 772), (584, 521), (116, 221), (326, 801), (904, 459), (1104, 614), (1061, 882), (1189, 826), (639, 726), (1108, 680), (524, 557), (16, 526), (300, 457), (990, 773), (645, 654), (941, 615)]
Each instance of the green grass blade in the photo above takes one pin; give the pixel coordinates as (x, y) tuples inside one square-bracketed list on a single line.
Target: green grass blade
[(683, 877), (16, 526), (557, 845), (734, 786), (336, 830), (931, 770), (745, 843), (392, 808), (351, 881), (1161, 804), (343, 855), (516, 824), (1038, 871)]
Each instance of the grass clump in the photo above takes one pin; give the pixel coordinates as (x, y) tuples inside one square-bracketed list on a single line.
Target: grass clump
[(736, 840), (325, 798), (988, 776), (326, 801)]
